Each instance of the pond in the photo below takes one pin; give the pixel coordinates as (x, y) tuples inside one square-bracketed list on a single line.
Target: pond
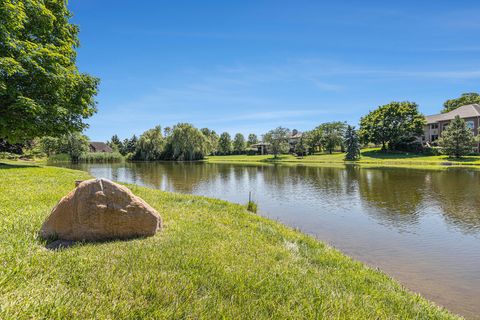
[(422, 227)]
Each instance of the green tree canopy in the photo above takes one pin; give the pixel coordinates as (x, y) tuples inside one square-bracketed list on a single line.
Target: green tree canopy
[(352, 144), (115, 143), (457, 139), (392, 124), (278, 139), (464, 99), (41, 90), (187, 143), (212, 140), (252, 139), (239, 143), (150, 145), (225, 143), (330, 135)]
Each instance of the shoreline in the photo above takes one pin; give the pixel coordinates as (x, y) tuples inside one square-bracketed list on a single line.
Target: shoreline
[(256, 245)]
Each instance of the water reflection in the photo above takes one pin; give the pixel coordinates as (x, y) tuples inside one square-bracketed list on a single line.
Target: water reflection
[(420, 226)]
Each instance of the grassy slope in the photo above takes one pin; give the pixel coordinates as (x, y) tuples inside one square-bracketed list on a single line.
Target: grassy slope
[(369, 156), (213, 259)]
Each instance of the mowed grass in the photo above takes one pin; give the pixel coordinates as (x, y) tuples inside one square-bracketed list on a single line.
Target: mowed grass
[(212, 260), (368, 156)]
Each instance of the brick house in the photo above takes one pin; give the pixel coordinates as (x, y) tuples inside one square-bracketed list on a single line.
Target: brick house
[(438, 122)]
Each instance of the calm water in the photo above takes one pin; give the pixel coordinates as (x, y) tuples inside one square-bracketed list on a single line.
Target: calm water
[(421, 227)]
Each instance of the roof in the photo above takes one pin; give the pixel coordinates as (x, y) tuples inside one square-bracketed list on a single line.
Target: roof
[(260, 144), (297, 135), (100, 147), (468, 111)]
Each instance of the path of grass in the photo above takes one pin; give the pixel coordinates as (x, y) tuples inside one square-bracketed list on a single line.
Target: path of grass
[(369, 156), (213, 260)]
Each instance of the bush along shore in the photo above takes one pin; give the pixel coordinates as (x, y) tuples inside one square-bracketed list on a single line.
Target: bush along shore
[(212, 260)]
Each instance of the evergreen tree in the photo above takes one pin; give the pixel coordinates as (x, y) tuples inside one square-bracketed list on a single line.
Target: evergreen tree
[(115, 143), (457, 139), (352, 144)]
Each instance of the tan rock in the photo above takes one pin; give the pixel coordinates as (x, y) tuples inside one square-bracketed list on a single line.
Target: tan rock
[(100, 209)]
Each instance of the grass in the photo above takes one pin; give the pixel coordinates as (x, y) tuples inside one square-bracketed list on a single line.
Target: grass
[(369, 156), (212, 260)]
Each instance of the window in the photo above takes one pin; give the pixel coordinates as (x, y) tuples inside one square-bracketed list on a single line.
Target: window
[(434, 126), (445, 125), (434, 137), (470, 124)]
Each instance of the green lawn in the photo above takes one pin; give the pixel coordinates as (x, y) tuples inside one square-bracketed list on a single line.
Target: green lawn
[(212, 260), (369, 156)]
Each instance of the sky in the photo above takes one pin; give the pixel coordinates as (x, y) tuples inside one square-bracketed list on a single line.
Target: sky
[(250, 66)]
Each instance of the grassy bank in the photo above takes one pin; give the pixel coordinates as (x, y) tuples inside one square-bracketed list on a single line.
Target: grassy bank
[(212, 260), (369, 156)]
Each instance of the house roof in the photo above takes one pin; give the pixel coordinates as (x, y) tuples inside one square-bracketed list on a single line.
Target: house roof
[(297, 135), (100, 147), (468, 111)]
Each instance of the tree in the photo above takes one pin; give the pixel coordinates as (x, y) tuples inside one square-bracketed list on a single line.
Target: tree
[(187, 143), (352, 144), (225, 144), (457, 139), (252, 139), (130, 145), (212, 140), (42, 93), (115, 143), (301, 147), (464, 99), (392, 125), (49, 145), (331, 135), (278, 140), (239, 143), (150, 145), (74, 144)]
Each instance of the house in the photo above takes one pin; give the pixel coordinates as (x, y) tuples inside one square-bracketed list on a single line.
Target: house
[(262, 147), (295, 136), (438, 122), (100, 147)]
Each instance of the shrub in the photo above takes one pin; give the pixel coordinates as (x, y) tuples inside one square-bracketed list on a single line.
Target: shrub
[(60, 157), (105, 157)]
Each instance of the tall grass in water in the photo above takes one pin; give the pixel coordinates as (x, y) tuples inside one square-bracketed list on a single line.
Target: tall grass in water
[(106, 157), (251, 205)]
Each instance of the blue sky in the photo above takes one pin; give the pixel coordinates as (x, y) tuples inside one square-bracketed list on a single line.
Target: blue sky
[(250, 66)]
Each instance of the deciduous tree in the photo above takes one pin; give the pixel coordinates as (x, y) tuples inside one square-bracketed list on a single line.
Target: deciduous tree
[(464, 99), (41, 90), (239, 143), (150, 145), (278, 139), (252, 139), (225, 144), (392, 124)]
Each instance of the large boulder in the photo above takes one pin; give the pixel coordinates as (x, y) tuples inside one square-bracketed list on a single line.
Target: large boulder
[(100, 209)]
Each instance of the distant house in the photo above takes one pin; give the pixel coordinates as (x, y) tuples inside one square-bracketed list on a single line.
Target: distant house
[(295, 136), (262, 147), (100, 147), (439, 122)]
